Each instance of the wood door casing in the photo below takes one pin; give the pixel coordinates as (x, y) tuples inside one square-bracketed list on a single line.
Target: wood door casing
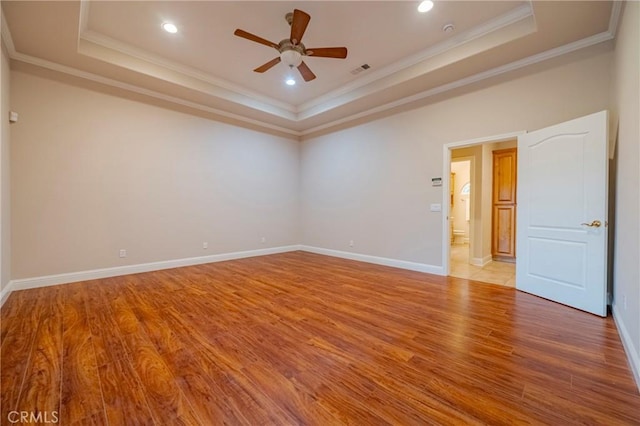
[(503, 221)]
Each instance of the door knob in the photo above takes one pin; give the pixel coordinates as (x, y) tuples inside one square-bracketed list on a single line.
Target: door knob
[(594, 224)]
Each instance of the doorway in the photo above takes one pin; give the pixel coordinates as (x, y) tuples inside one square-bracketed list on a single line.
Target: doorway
[(470, 246), (562, 213)]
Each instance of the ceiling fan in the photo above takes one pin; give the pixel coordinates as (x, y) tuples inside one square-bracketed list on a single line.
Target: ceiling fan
[(291, 49)]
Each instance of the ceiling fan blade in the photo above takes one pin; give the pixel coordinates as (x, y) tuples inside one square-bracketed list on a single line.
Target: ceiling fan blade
[(252, 37), (328, 52), (306, 72), (299, 25), (268, 65)]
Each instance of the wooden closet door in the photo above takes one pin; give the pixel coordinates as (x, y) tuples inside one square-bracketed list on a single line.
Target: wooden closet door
[(503, 245)]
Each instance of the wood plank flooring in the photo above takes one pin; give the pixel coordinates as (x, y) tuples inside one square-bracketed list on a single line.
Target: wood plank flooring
[(304, 339)]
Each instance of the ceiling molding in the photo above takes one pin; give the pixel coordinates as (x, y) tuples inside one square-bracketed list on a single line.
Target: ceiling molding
[(96, 46), (294, 118), (126, 49), (7, 40), (471, 47), (189, 71), (6, 36), (137, 89), (512, 17), (235, 93), (249, 98), (84, 16), (540, 57), (571, 47), (614, 19)]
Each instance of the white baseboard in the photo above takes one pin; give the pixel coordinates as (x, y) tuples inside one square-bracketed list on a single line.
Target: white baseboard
[(403, 264), (6, 291), (48, 280), (481, 261), (632, 353)]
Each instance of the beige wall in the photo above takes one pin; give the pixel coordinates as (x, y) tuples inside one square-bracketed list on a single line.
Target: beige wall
[(486, 202), (372, 183), (5, 209), (93, 173), (626, 100)]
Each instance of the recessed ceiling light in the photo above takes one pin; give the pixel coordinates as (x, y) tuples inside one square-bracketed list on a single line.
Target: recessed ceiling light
[(169, 27), (290, 82), (425, 6)]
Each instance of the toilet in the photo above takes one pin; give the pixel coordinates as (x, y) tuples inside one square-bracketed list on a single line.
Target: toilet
[(459, 236)]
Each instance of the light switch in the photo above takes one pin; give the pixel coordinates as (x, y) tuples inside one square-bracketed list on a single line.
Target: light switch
[(436, 207)]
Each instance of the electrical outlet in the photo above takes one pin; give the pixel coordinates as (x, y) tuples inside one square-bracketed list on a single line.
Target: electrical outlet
[(205, 245), (263, 240), (624, 301), (123, 253), (350, 243)]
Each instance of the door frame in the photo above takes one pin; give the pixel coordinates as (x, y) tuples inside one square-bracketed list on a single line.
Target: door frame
[(446, 166)]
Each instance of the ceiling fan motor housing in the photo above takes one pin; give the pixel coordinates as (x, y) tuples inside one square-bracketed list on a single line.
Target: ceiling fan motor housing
[(291, 54)]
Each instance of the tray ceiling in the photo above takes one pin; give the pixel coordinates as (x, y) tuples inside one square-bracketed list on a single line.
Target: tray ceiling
[(205, 67)]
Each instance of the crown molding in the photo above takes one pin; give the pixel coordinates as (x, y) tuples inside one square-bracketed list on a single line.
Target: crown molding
[(226, 90), (512, 17), (84, 16), (137, 89), (614, 19), (543, 56), (259, 101), (473, 46), (616, 11), (580, 44), (213, 85), (171, 73), (7, 40)]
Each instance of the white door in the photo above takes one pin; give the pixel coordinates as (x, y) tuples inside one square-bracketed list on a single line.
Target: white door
[(561, 234)]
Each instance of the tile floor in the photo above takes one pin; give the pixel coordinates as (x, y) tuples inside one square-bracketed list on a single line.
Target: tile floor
[(503, 273)]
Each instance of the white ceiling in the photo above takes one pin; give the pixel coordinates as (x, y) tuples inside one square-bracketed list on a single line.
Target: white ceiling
[(204, 66)]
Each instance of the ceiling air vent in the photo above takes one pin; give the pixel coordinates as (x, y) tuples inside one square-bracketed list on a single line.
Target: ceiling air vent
[(361, 68)]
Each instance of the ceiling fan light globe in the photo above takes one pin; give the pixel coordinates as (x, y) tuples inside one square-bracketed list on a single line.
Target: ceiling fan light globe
[(291, 58)]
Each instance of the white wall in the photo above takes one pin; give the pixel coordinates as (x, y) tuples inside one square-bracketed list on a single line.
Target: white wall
[(626, 100), (372, 183), (5, 207), (93, 173)]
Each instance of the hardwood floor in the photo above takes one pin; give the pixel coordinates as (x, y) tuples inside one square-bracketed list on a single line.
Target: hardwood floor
[(299, 338)]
